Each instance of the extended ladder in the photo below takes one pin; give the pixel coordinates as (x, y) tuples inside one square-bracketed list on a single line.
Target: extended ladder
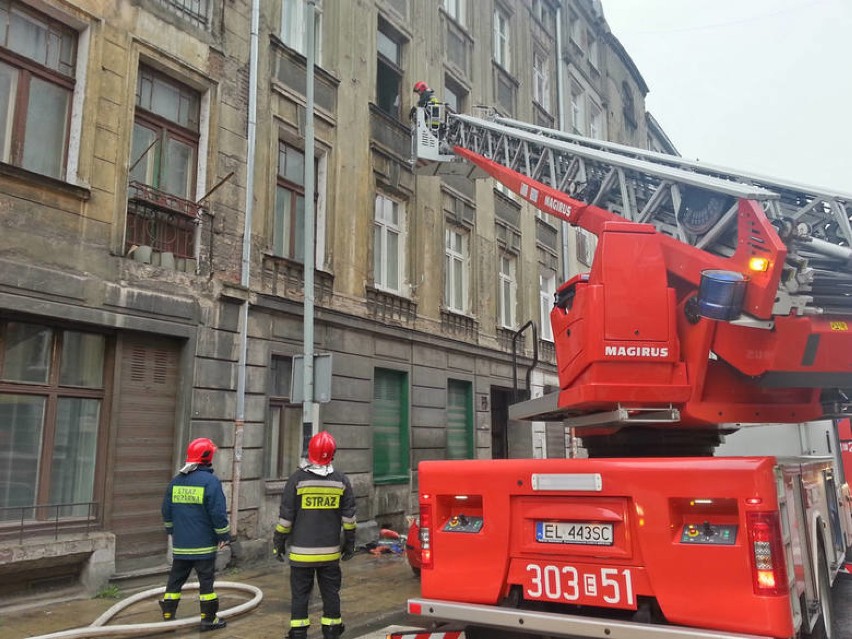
[(692, 202)]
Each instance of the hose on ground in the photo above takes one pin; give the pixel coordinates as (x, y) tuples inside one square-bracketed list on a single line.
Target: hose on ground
[(98, 628)]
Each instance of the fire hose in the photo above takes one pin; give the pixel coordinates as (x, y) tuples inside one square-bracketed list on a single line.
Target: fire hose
[(98, 628)]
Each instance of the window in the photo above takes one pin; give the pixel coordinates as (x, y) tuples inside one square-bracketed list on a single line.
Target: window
[(456, 265), (541, 79), (594, 51), (52, 416), (389, 71), (576, 29), (507, 297), (547, 288), (457, 10), (196, 11), (284, 421), (389, 244), (578, 109), (294, 17), (459, 420), (37, 67), (288, 238), (501, 38), (629, 105), (164, 148), (596, 122), (455, 96), (542, 12), (390, 427)]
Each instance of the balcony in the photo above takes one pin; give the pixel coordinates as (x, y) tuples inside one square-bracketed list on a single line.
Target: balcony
[(459, 326), (389, 308), (164, 222)]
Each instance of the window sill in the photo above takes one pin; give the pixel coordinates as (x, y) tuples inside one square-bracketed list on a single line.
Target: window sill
[(49, 184)]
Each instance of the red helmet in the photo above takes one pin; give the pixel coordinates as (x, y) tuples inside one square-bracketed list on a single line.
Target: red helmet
[(200, 451), (321, 448), (420, 87)]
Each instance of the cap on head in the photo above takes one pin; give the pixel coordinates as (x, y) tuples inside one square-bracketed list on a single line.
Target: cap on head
[(321, 449), (200, 451), (420, 87)]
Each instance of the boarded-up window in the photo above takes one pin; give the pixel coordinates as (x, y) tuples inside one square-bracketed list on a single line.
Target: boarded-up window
[(390, 426)]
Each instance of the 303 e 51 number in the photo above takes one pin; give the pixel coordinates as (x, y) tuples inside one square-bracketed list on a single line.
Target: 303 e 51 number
[(588, 585)]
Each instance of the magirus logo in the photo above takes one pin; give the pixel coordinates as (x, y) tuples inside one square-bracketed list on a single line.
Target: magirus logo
[(636, 351)]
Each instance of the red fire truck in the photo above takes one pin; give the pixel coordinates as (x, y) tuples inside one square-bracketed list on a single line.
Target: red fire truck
[(715, 301)]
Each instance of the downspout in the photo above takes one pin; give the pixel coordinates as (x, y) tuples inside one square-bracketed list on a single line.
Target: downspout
[(245, 270)]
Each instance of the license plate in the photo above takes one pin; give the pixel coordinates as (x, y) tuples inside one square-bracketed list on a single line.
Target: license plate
[(573, 532), (582, 585)]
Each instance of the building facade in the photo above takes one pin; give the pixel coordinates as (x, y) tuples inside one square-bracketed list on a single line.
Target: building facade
[(152, 254)]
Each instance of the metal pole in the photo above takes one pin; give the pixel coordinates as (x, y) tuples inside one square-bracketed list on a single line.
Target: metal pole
[(309, 411)]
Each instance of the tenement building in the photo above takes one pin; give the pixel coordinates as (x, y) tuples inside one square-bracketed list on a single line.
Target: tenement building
[(153, 188)]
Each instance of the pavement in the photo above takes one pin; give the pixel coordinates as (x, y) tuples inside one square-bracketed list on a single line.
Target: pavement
[(373, 596)]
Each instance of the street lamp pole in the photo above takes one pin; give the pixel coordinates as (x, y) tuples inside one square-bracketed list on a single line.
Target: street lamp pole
[(310, 409)]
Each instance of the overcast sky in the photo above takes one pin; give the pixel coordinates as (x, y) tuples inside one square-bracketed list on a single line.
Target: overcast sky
[(758, 85)]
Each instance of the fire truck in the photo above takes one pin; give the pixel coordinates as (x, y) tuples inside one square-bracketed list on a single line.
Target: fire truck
[(716, 301)]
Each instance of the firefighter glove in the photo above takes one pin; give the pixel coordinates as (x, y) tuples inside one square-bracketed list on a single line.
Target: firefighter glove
[(279, 545), (348, 550)]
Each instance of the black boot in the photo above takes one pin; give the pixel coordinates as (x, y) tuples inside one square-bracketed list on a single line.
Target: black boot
[(332, 632), (209, 620), (169, 608), (298, 633)]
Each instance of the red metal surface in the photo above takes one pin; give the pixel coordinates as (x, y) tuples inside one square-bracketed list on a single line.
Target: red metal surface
[(649, 501), (626, 337)]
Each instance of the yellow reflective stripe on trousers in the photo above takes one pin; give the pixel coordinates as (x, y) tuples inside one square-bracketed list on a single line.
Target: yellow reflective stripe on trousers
[(208, 597), (351, 526), (327, 621), (300, 623), (194, 551), (171, 596), (314, 558)]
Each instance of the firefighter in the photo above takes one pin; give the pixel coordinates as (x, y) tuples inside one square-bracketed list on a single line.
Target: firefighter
[(427, 95), (196, 517), (317, 501)]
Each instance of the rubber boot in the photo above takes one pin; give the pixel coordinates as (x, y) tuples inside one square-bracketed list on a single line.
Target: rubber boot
[(209, 620), (169, 608), (298, 633), (333, 632)]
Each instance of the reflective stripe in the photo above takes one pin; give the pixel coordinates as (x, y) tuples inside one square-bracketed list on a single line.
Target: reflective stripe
[(208, 597), (283, 529), (171, 596), (168, 524), (318, 490), (327, 621), (285, 523), (320, 483), (318, 550), (349, 526), (300, 623), (314, 558), (194, 551), (222, 531)]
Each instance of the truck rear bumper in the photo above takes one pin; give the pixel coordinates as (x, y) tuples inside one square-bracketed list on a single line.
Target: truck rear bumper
[(557, 625)]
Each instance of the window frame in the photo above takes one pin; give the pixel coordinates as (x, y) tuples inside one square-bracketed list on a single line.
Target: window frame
[(279, 402), (457, 10), (470, 451), (27, 69), (382, 228), (391, 67), (507, 293), (296, 38), (53, 391), (453, 260), (501, 35), (541, 78)]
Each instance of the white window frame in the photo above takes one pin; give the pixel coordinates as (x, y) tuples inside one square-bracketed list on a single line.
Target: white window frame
[(541, 79), (594, 51), (292, 31), (384, 228), (457, 10), (596, 122), (547, 288), (508, 290), (578, 108), (454, 260), (502, 52)]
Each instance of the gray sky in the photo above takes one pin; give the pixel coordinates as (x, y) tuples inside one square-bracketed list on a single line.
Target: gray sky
[(758, 85)]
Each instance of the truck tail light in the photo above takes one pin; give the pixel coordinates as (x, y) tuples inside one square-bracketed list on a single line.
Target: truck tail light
[(425, 535), (769, 572)]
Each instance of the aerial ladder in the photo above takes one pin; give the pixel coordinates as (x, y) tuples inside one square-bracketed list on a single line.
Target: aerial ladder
[(715, 297)]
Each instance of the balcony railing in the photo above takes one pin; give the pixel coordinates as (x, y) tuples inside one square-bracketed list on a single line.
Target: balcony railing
[(160, 220), (48, 520)]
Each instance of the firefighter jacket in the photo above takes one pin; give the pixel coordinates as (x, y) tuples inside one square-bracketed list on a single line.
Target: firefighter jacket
[(314, 507), (195, 514)]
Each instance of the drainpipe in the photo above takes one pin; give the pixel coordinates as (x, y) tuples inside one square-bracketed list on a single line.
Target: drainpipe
[(245, 270), (560, 109)]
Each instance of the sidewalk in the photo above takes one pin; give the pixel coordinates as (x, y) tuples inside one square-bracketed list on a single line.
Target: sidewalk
[(374, 592)]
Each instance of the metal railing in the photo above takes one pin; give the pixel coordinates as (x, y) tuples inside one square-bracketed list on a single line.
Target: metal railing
[(43, 520)]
